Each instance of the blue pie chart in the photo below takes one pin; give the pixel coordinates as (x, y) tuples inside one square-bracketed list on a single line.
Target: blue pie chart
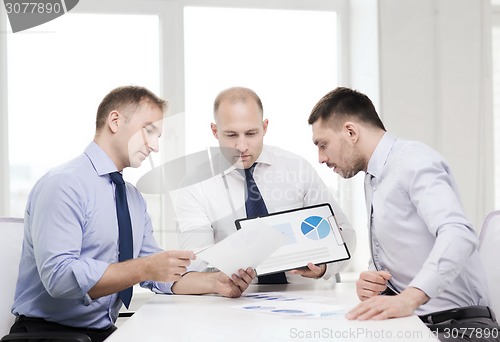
[(315, 228)]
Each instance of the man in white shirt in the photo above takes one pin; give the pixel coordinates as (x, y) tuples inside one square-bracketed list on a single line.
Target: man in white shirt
[(206, 211), (424, 250)]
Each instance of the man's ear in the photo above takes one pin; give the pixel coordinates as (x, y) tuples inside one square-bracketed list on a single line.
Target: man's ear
[(113, 120), (214, 130), (265, 122), (351, 130)]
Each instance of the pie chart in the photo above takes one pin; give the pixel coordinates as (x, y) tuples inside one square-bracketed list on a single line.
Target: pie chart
[(315, 227)]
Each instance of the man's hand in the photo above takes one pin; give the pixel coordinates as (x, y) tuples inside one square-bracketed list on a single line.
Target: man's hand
[(383, 307), (371, 283), (168, 266), (233, 287), (311, 271), (162, 267)]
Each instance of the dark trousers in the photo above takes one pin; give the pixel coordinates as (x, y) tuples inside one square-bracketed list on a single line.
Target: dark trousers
[(27, 324), (473, 323)]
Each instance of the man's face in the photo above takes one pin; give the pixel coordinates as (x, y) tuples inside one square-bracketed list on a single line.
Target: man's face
[(140, 134), (239, 126), (337, 150)]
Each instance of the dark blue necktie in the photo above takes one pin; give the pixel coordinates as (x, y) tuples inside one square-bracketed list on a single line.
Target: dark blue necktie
[(124, 229), (256, 207)]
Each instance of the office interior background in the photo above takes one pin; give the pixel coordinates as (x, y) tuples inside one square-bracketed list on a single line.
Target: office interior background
[(431, 67)]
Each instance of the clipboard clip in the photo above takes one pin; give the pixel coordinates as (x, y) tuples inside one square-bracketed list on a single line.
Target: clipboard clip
[(335, 230)]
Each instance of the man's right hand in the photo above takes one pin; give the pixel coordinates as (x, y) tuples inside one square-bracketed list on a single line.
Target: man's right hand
[(233, 287), (168, 266), (371, 283)]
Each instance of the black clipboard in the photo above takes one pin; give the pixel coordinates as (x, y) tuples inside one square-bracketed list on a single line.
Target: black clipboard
[(312, 235)]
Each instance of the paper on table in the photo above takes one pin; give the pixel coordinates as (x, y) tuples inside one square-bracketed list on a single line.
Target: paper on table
[(247, 247), (298, 308)]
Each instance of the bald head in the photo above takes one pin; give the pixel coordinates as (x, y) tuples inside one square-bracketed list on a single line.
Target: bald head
[(237, 95)]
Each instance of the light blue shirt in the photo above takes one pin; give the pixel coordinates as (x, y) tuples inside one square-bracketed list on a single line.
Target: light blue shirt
[(419, 232), (71, 237)]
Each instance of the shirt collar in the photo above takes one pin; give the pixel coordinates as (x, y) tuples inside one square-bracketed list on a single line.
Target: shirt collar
[(265, 156), (380, 155), (99, 159)]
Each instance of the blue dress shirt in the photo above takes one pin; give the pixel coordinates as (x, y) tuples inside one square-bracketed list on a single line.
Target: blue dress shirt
[(419, 232), (71, 237)]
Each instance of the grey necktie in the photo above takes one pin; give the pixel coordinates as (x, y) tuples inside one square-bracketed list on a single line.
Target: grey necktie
[(369, 197)]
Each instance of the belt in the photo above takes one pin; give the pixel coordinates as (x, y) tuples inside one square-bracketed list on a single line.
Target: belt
[(22, 318), (458, 314)]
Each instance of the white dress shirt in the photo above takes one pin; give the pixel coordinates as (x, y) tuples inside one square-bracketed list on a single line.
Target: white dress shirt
[(419, 232), (206, 211)]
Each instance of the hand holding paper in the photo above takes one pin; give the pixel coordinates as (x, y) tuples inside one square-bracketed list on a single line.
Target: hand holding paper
[(247, 247)]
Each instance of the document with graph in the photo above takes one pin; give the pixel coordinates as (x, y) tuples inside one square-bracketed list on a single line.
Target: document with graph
[(311, 235)]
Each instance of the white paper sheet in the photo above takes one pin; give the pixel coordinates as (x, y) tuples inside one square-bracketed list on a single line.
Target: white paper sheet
[(247, 247), (293, 307), (312, 235)]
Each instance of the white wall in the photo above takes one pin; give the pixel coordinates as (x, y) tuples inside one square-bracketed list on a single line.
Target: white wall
[(435, 86), (426, 66)]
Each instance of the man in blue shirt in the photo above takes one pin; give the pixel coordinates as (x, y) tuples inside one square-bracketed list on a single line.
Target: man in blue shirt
[(69, 276), (423, 248)]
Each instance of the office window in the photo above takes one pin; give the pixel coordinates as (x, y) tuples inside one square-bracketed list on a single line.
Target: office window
[(183, 50), (57, 75), (289, 57)]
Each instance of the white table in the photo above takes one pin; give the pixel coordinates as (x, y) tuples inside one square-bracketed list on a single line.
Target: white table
[(211, 318)]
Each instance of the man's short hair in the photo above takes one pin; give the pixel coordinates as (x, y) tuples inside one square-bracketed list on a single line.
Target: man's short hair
[(126, 99), (342, 103)]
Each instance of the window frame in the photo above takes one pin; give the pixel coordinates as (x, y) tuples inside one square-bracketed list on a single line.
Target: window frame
[(171, 20)]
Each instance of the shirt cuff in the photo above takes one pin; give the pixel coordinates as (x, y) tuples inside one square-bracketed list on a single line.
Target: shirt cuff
[(88, 276), (156, 287), (429, 282), (329, 272), (87, 300)]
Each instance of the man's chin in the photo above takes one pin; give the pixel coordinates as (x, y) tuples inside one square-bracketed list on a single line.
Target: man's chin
[(238, 163), (245, 164), (345, 174), (135, 163)]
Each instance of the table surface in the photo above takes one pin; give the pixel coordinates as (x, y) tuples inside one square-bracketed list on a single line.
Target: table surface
[(214, 318)]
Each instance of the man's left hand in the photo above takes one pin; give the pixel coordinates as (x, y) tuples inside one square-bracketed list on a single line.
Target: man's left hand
[(311, 270), (383, 307)]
